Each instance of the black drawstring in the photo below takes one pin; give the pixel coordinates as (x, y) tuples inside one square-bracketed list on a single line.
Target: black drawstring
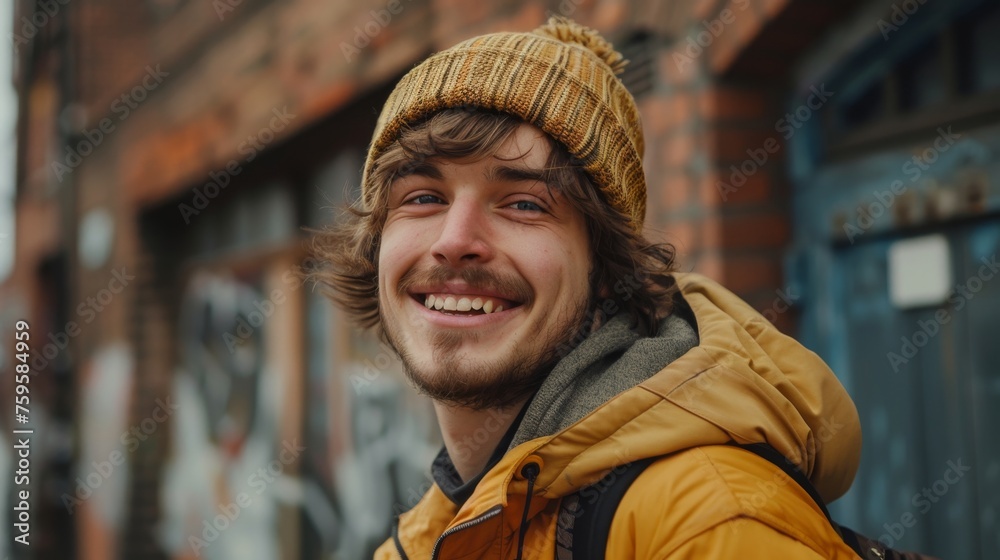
[(530, 472)]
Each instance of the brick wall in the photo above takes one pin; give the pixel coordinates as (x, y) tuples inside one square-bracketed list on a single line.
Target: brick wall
[(716, 152), (707, 109)]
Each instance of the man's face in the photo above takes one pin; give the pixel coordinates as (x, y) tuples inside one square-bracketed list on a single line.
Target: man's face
[(483, 274)]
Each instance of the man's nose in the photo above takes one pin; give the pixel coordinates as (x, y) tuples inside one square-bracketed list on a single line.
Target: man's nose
[(464, 236)]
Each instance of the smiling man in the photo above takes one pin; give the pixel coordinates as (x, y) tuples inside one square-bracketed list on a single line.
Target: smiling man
[(498, 248)]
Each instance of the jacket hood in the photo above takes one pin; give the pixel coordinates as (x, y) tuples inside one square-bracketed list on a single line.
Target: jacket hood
[(744, 381)]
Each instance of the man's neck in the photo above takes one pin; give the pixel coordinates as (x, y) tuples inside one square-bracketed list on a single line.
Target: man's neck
[(471, 436)]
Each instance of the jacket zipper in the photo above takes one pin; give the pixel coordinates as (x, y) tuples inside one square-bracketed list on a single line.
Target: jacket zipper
[(489, 514)]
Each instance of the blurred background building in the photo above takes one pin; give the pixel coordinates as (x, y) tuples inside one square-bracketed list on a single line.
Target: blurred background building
[(837, 164)]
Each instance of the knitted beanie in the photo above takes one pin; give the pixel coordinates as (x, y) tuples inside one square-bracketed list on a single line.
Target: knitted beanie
[(559, 77)]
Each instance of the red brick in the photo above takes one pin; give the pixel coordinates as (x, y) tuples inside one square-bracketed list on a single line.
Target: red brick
[(756, 231), (609, 16), (718, 188), (647, 15), (326, 100), (731, 145), (769, 9), (737, 35), (709, 263), (747, 26), (747, 275), (703, 9), (673, 191), (788, 322), (664, 113), (710, 231), (727, 103), (683, 235), (770, 305), (675, 74), (677, 150), (526, 18)]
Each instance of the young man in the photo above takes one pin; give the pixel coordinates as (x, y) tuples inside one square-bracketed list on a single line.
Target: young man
[(498, 248)]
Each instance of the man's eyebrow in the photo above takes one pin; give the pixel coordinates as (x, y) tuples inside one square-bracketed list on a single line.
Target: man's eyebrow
[(422, 168), (513, 174)]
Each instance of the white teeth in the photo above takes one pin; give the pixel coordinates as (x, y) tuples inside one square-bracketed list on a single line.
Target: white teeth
[(462, 304)]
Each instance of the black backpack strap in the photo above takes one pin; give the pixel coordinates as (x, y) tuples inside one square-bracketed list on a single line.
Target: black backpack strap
[(865, 547), (598, 504), (765, 451)]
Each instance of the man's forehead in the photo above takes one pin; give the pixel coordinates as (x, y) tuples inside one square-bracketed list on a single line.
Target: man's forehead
[(523, 155), (496, 170), (528, 143)]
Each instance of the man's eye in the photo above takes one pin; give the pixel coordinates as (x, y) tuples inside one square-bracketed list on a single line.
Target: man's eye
[(425, 199), (526, 205)]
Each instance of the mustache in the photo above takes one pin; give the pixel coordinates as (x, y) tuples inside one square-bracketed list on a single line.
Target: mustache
[(511, 286)]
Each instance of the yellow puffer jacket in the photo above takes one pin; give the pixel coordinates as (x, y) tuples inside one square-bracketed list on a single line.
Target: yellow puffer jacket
[(744, 382)]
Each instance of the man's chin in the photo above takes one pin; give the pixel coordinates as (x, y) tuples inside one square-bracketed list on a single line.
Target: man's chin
[(478, 385)]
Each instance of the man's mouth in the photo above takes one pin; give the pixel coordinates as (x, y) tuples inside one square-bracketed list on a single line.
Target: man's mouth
[(466, 305)]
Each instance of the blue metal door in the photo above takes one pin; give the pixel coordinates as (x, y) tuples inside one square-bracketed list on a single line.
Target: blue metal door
[(927, 385)]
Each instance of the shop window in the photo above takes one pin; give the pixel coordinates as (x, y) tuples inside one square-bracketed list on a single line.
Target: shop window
[(922, 77), (867, 107), (978, 50), (939, 67)]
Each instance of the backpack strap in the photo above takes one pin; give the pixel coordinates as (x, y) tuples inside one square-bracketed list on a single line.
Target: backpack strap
[(598, 504), (765, 451)]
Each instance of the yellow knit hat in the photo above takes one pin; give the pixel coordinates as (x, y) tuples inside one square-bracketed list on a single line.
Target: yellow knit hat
[(560, 78)]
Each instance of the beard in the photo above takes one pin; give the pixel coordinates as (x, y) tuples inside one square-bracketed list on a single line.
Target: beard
[(496, 384)]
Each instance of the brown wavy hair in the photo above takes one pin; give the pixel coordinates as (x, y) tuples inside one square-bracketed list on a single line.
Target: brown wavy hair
[(629, 272)]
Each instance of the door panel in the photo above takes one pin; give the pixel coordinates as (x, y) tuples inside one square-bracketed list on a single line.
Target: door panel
[(983, 349), (927, 388)]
